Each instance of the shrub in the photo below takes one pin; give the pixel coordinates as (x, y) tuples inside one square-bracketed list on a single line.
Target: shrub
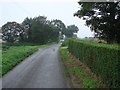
[(65, 43), (103, 59)]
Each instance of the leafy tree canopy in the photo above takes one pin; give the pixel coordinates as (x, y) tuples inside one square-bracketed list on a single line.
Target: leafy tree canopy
[(12, 31), (40, 30), (103, 18), (71, 30), (37, 30)]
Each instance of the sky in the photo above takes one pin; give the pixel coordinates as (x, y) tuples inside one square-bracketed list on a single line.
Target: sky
[(18, 10)]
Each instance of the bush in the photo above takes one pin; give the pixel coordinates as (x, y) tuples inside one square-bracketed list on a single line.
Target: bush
[(65, 43), (5, 47), (103, 59)]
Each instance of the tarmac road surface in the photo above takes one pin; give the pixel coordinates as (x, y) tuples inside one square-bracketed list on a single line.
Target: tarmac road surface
[(41, 70)]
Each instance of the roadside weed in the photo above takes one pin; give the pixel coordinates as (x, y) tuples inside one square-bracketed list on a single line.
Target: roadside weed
[(89, 82), (77, 71)]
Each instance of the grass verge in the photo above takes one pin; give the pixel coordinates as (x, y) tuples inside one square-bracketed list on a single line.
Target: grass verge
[(13, 54), (79, 74)]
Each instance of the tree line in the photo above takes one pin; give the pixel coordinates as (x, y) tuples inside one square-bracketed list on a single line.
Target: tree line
[(103, 18), (37, 30)]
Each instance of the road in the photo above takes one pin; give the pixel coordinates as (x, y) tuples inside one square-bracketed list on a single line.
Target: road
[(41, 70)]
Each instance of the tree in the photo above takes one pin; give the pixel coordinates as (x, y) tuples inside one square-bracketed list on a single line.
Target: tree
[(27, 23), (54, 35), (71, 29), (60, 26), (37, 30), (40, 30), (12, 32), (23, 33), (103, 18)]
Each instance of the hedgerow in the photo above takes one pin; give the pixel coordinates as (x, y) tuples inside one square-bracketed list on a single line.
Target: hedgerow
[(103, 59), (65, 43)]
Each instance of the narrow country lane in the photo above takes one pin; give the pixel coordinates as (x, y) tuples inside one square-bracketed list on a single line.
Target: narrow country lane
[(41, 70)]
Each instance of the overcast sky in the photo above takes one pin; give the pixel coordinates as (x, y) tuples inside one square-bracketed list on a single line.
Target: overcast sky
[(18, 10)]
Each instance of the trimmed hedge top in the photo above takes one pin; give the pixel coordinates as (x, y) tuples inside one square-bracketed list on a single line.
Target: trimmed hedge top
[(110, 46)]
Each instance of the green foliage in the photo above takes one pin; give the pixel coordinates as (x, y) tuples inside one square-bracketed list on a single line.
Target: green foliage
[(71, 29), (13, 31), (40, 30), (63, 53), (65, 42), (77, 70), (5, 47), (15, 55), (86, 80), (9, 45), (103, 18), (103, 59), (37, 30), (60, 26), (89, 82), (32, 30)]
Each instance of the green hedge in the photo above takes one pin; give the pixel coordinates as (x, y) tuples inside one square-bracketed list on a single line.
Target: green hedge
[(103, 59), (13, 56), (65, 43)]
